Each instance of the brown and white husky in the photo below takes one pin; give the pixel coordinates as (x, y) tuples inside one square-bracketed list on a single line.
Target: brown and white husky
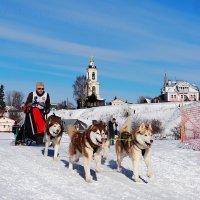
[(53, 134), (87, 144), (135, 145)]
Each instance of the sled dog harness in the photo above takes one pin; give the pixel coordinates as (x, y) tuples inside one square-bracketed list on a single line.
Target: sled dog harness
[(40, 99)]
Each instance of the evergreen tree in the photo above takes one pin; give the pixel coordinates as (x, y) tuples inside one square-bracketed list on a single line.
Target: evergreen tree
[(2, 102)]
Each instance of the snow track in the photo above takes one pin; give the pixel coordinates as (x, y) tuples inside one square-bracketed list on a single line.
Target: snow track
[(26, 174)]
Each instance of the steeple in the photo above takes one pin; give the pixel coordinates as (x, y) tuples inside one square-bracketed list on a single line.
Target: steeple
[(165, 80), (92, 82), (92, 65), (93, 96)]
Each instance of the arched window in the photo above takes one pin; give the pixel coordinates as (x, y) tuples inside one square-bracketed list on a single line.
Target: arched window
[(93, 76), (93, 90)]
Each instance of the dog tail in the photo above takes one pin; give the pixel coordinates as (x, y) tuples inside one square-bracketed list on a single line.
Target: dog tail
[(126, 126), (71, 130)]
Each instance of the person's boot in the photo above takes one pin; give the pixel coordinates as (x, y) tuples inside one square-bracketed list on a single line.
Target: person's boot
[(29, 142), (20, 143), (39, 140)]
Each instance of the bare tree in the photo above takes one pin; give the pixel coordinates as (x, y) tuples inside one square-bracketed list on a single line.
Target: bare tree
[(80, 90), (15, 99), (156, 126), (176, 132), (16, 115), (143, 99)]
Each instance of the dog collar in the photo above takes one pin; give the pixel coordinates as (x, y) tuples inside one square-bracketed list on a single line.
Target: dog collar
[(137, 145), (94, 146)]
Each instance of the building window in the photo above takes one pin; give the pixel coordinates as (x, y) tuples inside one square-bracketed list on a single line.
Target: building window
[(93, 90), (185, 98), (93, 76)]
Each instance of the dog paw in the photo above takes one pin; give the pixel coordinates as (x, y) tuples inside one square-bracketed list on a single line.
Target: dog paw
[(70, 166), (77, 160), (71, 170), (137, 180), (119, 169), (97, 170), (56, 158), (149, 174), (89, 179)]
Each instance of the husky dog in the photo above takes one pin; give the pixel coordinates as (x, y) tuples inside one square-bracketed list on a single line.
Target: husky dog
[(87, 144), (135, 145), (53, 134)]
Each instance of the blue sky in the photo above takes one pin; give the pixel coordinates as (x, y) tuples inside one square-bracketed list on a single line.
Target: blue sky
[(134, 44)]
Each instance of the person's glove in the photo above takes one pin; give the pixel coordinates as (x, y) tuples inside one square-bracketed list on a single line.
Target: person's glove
[(46, 111), (27, 108)]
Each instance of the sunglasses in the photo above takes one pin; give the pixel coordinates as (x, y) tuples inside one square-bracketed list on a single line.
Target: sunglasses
[(40, 88)]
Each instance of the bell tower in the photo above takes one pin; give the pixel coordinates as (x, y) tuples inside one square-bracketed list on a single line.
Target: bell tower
[(92, 83)]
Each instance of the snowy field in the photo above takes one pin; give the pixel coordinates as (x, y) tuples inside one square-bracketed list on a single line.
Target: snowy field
[(26, 174)]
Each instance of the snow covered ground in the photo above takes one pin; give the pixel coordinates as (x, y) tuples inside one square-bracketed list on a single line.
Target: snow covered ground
[(168, 113), (26, 174)]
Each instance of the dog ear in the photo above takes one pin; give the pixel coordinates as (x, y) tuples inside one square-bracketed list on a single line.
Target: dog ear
[(90, 127), (126, 127), (142, 127), (46, 127), (106, 127), (150, 127)]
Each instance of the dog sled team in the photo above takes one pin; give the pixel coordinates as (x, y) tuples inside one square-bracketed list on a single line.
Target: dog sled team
[(92, 144)]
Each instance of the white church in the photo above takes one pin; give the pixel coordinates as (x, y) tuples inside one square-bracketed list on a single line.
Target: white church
[(91, 76), (93, 96)]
